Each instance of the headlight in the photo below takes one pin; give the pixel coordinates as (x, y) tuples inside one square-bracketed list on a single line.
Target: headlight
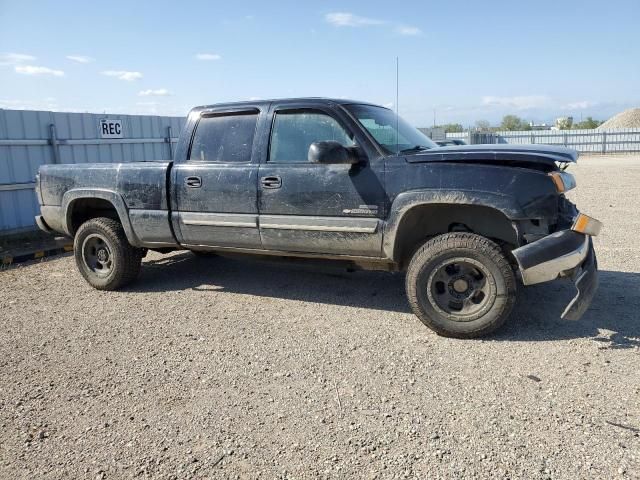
[(563, 181)]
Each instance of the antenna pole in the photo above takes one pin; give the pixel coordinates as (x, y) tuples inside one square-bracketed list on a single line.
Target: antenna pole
[(397, 105)]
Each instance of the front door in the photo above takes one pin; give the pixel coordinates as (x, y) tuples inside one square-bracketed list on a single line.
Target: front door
[(216, 188), (318, 208)]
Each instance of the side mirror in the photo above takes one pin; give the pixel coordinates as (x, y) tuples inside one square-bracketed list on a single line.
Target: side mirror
[(331, 151)]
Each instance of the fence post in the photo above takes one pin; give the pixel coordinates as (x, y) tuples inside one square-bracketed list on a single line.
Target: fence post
[(53, 141), (168, 140), (564, 137), (604, 142), (533, 138)]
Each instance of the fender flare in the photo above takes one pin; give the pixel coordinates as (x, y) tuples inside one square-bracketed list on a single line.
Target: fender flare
[(71, 196), (404, 202)]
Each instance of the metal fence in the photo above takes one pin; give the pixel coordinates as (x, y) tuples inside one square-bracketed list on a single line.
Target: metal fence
[(29, 139), (624, 140)]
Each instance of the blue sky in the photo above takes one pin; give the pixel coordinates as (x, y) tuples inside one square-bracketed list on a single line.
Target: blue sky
[(467, 60)]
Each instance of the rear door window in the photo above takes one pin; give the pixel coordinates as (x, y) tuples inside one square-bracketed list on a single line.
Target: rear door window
[(225, 138)]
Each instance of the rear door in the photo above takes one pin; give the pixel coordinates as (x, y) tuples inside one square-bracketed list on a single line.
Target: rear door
[(216, 187), (319, 208)]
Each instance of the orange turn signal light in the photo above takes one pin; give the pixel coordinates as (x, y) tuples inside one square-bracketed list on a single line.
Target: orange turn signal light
[(558, 182), (587, 225), (563, 181)]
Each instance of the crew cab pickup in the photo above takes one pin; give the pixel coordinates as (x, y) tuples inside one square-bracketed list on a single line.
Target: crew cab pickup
[(339, 180)]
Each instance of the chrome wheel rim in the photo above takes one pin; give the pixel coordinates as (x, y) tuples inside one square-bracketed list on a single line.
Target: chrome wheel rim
[(97, 255), (462, 289)]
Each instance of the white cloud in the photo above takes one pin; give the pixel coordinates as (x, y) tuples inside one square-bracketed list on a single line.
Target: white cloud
[(408, 30), (531, 102), (80, 58), (160, 92), (146, 108), (345, 19), (10, 103), (208, 56), (123, 75), (15, 58), (523, 102), (48, 103), (582, 105), (36, 70)]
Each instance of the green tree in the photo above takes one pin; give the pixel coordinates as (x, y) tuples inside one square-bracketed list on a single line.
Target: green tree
[(513, 122), (589, 123), (483, 125), (452, 127)]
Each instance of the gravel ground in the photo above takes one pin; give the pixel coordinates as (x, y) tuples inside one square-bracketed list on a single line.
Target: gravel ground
[(234, 369)]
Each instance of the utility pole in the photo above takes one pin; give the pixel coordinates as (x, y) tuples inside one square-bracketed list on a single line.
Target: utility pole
[(397, 103)]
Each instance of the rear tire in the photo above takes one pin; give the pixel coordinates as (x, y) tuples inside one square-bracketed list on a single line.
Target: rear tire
[(104, 256), (461, 285)]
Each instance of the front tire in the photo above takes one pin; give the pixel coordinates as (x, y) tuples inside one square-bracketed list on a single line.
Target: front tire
[(104, 256), (461, 285)]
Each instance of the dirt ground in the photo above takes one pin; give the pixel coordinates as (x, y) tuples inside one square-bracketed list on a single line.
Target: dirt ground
[(223, 368)]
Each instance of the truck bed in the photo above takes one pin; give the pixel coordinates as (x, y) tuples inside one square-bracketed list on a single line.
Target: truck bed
[(139, 190)]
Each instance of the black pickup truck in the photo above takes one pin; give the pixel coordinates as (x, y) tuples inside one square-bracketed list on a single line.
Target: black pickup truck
[(340, 180)]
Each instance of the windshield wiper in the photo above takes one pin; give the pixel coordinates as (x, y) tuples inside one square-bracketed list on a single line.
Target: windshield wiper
[(416, 148)]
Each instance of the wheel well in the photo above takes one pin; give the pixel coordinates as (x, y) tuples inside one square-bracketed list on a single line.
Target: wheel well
[(85, 209), (426, 221)]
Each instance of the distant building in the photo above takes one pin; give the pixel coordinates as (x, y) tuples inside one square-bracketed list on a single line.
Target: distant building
[(563, 123), (540, 126)]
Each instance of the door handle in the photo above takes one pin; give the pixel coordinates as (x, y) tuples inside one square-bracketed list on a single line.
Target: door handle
[(193, 182), (271, 182)]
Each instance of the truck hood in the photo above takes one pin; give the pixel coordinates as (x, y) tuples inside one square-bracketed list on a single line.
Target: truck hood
[(535, 156)]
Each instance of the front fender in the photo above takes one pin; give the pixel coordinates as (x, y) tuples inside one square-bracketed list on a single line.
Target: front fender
[(404, 202), (112, 197)]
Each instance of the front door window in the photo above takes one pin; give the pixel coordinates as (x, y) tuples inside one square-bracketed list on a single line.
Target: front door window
[(294, 132)]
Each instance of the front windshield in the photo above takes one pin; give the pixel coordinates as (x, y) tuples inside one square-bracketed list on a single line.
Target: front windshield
[(381, 123)]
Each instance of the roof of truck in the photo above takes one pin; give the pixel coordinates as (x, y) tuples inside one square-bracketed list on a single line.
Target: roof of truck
[(261, 102)]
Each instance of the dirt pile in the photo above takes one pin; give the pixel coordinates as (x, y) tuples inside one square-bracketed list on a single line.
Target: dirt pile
[(628, 119)]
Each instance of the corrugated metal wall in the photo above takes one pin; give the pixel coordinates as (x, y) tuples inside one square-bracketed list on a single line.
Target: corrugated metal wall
[(623, 140), (26, 143), (434, 133)]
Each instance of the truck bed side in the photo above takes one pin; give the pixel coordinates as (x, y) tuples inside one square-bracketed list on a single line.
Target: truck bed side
[(136, 192)]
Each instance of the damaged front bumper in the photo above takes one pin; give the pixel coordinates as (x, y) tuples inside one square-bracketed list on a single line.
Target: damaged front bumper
[(566, 253)]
